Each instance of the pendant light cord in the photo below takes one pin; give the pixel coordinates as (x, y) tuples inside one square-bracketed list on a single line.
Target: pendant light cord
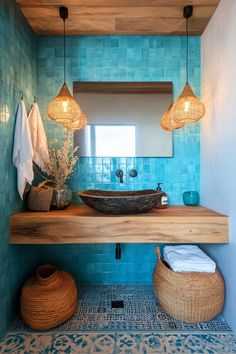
[(187, 50), (64, 51)]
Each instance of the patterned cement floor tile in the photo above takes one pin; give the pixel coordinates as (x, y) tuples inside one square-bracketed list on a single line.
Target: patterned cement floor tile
[(119, 343), (26, 343), (141, 312)]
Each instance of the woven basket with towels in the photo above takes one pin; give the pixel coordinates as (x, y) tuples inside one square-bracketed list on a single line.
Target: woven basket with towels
[(188, 296)]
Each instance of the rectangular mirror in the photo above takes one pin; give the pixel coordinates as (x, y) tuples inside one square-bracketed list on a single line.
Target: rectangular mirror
[(124, 120)]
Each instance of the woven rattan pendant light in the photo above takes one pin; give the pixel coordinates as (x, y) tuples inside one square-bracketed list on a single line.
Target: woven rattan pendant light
[(187, 108), (167, 123), (77, 125), (63, 108)]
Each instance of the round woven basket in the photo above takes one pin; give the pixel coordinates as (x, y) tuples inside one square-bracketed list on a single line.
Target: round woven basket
[(188, 296), (49, 298)]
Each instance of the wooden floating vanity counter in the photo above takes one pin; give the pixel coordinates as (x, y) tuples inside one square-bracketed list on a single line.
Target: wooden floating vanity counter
[(80, 224)]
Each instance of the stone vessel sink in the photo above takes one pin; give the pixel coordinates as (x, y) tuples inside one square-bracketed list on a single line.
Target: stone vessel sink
[(117, 202)]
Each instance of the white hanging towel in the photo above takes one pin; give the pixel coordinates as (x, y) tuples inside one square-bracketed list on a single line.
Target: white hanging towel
[(188, 258), (23, 150), (38, 137)]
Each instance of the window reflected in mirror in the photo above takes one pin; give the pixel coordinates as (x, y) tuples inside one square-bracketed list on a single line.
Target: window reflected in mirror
[(114, 140), (109, 141)]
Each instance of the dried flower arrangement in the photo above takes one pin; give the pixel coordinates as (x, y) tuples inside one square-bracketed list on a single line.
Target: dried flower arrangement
[(59, 162)]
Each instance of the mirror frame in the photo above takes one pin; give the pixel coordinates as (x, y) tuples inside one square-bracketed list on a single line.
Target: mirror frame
[(163, 87)]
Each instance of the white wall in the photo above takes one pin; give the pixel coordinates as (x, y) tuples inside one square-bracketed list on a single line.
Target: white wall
[(218, 138)]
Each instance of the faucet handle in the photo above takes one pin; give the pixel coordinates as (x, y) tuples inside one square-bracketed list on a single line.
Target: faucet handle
[(133, 173)]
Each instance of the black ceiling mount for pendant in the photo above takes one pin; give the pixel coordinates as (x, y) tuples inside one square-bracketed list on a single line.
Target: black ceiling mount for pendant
[(188, 11), (63, 12)]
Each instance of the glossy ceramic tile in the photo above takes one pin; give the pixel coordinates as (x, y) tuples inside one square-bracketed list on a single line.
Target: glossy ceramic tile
[(126, 58), (18, 72)]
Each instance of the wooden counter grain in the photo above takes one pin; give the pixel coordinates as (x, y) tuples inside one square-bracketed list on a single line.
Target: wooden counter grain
[(80, 224)]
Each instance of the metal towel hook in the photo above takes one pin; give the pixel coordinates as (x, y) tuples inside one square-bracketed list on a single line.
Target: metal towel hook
[(35, 99), (21, 95)]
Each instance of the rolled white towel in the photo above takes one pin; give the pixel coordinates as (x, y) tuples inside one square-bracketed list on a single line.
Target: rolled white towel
[(188, 258)]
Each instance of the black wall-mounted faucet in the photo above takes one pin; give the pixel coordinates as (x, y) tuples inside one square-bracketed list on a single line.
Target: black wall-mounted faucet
[(120, 174)]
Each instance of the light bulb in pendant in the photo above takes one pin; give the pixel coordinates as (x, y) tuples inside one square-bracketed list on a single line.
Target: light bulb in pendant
[(186, 106), (65, 106)]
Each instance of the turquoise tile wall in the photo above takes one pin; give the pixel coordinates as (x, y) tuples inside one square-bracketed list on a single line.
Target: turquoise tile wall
[(18, 71), (121, 58)]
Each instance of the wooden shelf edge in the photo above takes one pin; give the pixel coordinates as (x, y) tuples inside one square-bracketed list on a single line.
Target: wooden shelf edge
[(82, 225)]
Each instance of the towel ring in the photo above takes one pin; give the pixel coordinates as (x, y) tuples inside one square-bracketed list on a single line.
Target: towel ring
[(21, 95)]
